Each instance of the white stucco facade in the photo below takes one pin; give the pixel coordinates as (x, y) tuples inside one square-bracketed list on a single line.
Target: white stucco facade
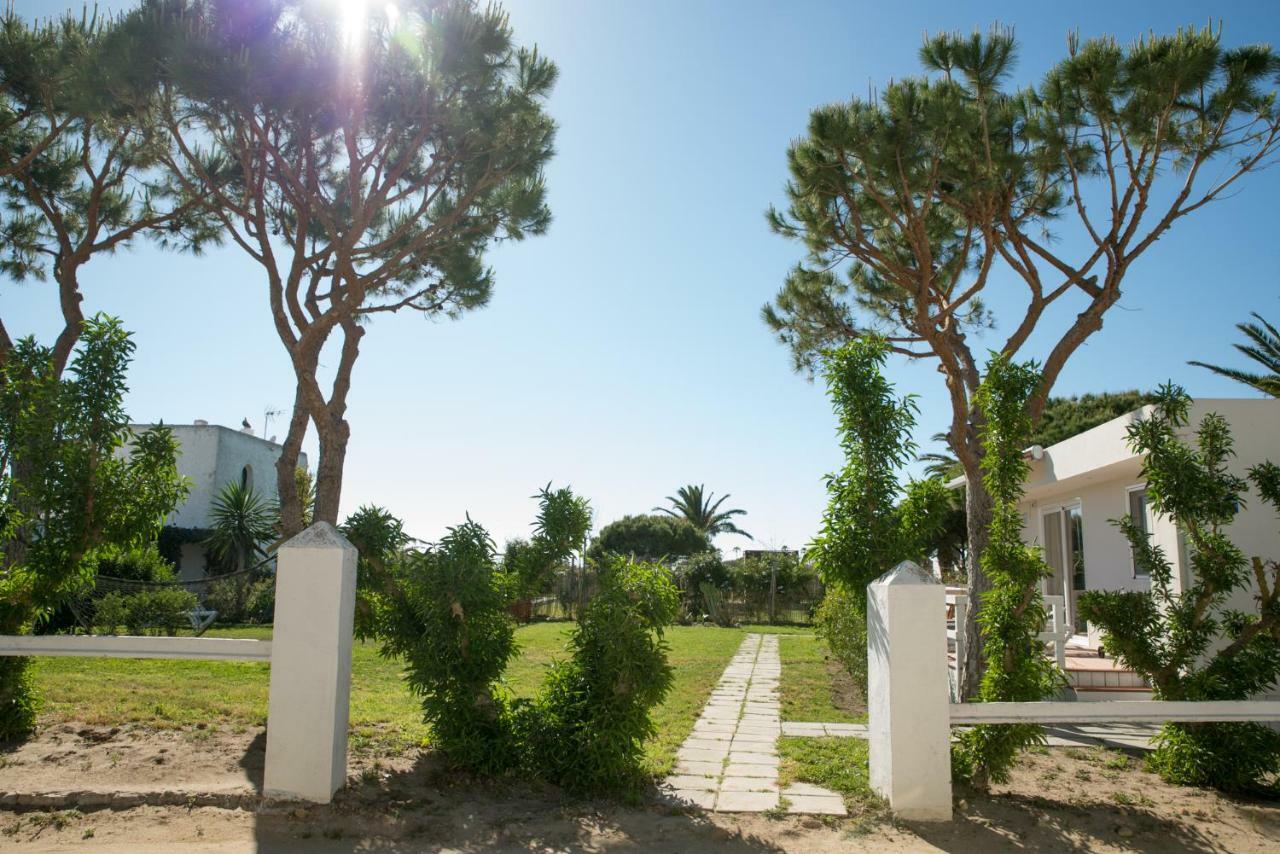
[(211, 456), (1084, 482)]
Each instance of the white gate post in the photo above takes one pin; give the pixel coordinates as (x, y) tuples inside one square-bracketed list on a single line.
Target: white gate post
[(907, 693), (311, 666)]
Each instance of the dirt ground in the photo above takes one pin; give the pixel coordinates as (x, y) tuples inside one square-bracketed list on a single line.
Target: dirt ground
[(1059, 799)]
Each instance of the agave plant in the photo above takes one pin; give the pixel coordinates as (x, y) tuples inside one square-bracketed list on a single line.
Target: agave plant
[(1263, 349), (242, 521), (695, 504)]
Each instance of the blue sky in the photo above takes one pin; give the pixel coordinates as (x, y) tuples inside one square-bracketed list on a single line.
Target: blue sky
[(623, 352)]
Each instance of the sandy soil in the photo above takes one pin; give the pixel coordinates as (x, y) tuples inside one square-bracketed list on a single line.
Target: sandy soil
[(1061, 799)]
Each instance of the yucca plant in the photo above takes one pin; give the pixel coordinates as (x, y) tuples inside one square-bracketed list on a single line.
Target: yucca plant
[(242, 521)]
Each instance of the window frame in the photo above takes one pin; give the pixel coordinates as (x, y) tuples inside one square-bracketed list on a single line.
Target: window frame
[(1147, 519)]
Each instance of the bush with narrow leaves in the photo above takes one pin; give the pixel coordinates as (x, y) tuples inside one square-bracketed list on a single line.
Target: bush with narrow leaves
[(1196, 643), (450, 625), (594, 713)]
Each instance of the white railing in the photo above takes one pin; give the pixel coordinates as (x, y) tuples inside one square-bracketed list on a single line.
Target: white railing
[(130, 646), (1056, 634), (912, 714), (310, 654)]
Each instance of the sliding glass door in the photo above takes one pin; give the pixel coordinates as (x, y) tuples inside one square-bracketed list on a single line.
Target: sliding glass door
[(1064, 552)]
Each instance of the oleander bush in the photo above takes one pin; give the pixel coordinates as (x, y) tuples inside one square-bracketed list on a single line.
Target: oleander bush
[(1199, 643), (593, 715), (450, 622), (451, 627)]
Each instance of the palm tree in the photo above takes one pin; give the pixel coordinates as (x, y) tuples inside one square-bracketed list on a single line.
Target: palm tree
[(692, 504), (242, 521), (941, 464), (1265, 350)]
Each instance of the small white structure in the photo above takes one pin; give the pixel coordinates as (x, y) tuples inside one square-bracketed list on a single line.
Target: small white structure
[(210, 457), (309, 702), (1076, 487), (907, 695)]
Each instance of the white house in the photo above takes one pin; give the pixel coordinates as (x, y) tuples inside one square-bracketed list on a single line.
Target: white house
[(210, 457), (1077, 486)]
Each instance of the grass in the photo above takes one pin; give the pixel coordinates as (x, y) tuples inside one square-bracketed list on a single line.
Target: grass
[(839, 764), (806, 684), (385, 717)]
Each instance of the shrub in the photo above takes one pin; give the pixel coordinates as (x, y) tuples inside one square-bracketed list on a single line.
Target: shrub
[(163, 609), (1012, 611), (135, 564), (1195, 644), (109, 613), (379, 537), (18, 701), (841, 622), (593, 715), (260, 605), (704, 568), (451, 627), (861, 536), (230, 597)]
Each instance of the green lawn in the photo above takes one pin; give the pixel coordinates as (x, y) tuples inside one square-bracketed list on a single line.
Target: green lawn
[(384, 716), (806, 685), (839, 764)]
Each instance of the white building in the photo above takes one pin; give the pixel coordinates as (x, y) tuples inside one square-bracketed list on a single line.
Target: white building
[(1076, 487), (210, 457)]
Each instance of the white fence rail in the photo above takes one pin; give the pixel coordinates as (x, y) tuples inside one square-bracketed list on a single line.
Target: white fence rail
[(1116, 711), (909, 698), (310, 655), (129, 646)]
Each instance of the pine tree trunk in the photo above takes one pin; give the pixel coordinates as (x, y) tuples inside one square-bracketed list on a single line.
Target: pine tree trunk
[(286, 468), (979, 510), (333, 456)]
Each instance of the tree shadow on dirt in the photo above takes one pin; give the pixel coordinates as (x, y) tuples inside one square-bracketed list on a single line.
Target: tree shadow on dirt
[(1014, 822), (428, 806)]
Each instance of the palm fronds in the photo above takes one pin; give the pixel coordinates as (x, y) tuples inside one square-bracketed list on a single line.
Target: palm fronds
[(1263, 349)]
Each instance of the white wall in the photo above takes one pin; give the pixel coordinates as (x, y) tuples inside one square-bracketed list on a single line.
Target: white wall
[(211, 456), (1096, 469)]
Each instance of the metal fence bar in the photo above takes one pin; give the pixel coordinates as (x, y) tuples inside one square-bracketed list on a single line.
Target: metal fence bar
[(131, 646), (1116, 711)]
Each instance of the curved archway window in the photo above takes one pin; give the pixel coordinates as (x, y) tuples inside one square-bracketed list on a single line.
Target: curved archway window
[(246, 478)]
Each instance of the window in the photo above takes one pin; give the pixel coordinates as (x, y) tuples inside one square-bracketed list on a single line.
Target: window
[(246, 478), (1140, 517)]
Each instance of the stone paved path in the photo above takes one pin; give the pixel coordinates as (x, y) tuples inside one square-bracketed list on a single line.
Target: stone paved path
[(729, 762)]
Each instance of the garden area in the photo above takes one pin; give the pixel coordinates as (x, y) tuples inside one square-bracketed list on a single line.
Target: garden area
[(185, 741)]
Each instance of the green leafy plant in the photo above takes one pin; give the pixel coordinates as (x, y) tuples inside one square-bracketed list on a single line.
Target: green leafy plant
[(379, 537), (109, 613), (72, 479), (163, 610), (450, 625), (1198, 644), (718, 607), (704, 568), (241, 521), (861, 536), (593, 714), (1012, 611)]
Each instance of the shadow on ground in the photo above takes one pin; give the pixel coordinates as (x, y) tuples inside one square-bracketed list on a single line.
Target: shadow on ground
[(428, 806)]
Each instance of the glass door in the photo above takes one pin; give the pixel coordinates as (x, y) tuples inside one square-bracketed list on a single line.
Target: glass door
[(1064, 553)]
